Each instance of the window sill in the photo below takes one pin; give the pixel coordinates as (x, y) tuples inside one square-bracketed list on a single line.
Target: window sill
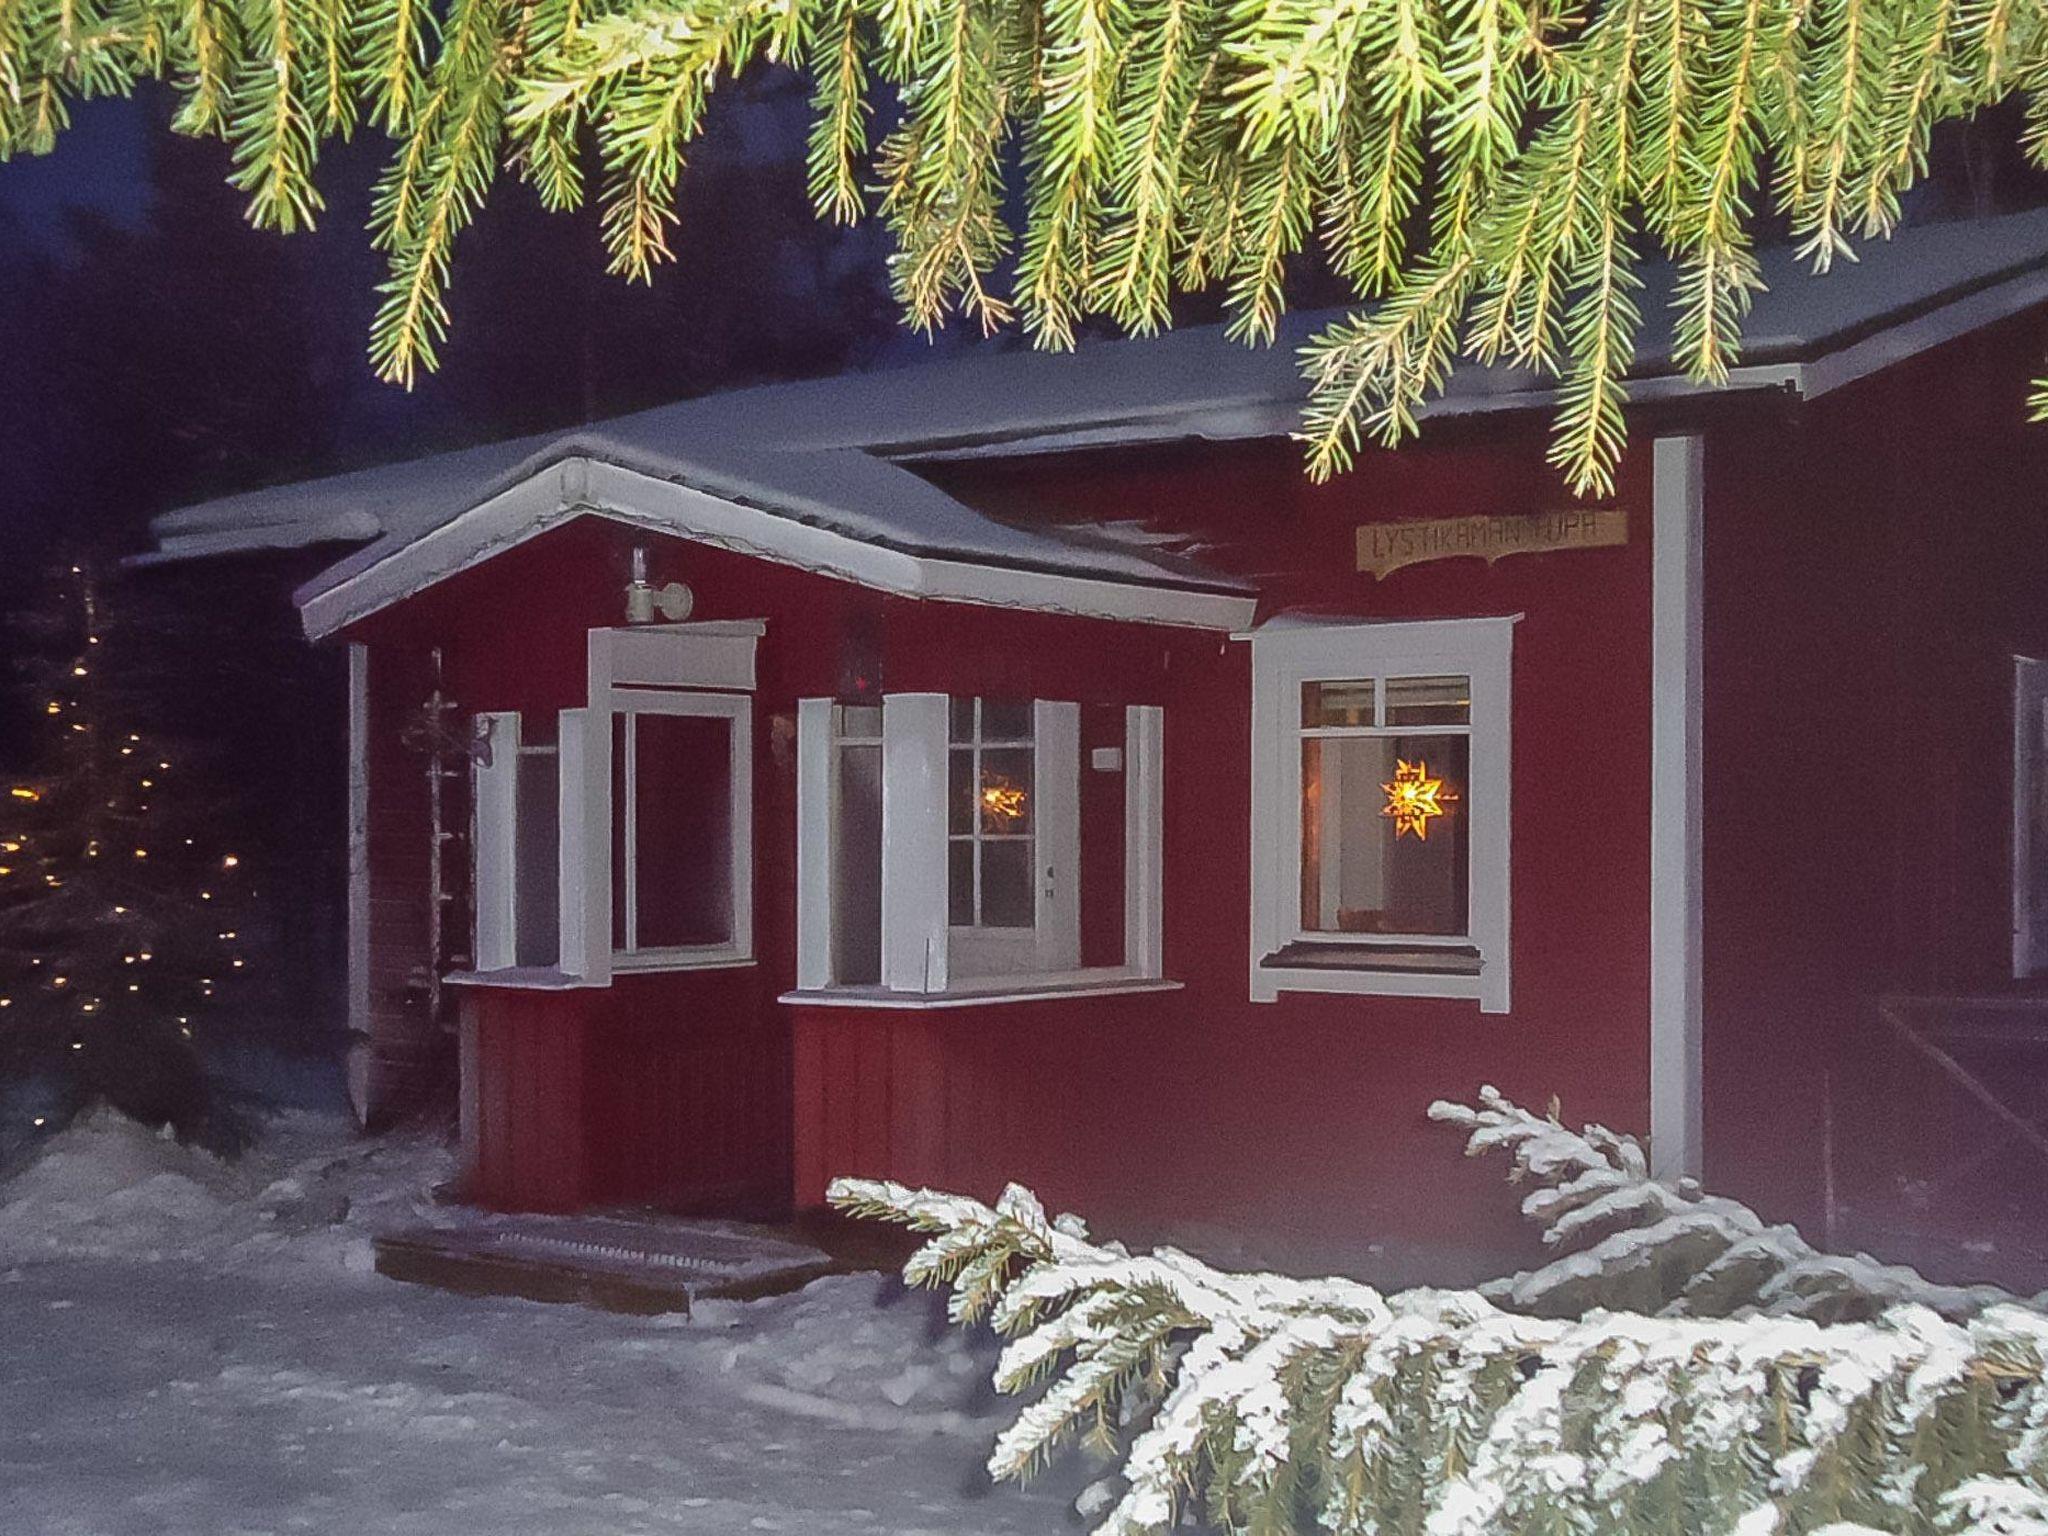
[(1377, 955), (651, 962), (522, 978), (984, 991), (1459, 973)]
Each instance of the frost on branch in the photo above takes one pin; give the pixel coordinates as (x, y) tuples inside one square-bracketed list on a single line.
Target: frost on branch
[(1269, 1405), (1632, 1243)]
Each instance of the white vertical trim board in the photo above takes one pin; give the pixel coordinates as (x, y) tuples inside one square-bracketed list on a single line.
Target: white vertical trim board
[(358, 910), (914, 906), (494, 810), (817, 764), (2029, 765), (1056, 825), (1144, 828), (1677, 1128), (584, 908)]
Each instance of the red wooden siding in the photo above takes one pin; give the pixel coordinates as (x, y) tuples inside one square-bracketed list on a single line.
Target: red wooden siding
[(411, 1060), (1304, 1119), (667, 1090), (1873, 563)]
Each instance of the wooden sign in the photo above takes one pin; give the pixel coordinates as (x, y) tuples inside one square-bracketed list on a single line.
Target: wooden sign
[(1385, 547)]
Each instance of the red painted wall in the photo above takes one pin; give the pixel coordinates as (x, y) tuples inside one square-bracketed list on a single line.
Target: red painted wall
[(1873, 562), (1300, 1122)]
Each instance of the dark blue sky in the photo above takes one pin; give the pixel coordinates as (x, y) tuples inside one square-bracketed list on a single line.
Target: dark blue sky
[(100, 164)]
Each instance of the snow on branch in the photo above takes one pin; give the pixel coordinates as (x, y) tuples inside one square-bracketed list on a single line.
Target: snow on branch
[(1272, 1405), (1633, 1243)]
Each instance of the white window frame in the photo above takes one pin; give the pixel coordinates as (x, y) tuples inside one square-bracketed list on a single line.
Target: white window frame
[(919, 943), (628, 705), (704, 669), (494, 835), (1284, 657)]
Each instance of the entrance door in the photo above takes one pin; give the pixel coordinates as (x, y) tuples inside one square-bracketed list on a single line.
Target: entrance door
[(2030, 817)]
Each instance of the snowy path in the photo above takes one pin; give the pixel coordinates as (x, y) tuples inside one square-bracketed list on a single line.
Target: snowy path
[(256, 1383)]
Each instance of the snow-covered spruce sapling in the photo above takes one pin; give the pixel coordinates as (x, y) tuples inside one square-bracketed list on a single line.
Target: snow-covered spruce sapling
[(1273, 1405), (1633, 1243), (119, 910)]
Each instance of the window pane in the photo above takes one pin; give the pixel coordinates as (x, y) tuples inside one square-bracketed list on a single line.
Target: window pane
[(1337, 703), (683, 802), (857, 869), (536, 934), (962, 717), (1429, 700), (863, 721), (1006, 885), (960, 883), (960, 791), (1005, 721), (1383, 834), (1005, 796)]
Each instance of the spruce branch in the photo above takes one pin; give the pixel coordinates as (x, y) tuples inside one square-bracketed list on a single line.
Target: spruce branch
[(1264, 1404), (1544, 151)]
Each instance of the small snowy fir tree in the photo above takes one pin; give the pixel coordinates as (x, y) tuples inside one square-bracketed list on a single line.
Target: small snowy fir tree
[(1270, 1405), (117, 908), (1633, 1243)]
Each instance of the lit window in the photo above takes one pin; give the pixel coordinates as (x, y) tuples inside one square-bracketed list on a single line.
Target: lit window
[(1386, 806), (1380, 779), (989, 858), (939, 845)]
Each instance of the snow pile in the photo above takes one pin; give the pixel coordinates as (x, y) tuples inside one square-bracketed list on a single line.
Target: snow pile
[(193, 1346), (861, 1349), (107, 1187)]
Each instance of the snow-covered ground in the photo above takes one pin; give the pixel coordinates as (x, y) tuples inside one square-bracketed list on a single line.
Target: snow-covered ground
[(193, 1349)]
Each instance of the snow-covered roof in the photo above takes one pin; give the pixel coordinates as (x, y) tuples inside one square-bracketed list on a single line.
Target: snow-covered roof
[(828, 455)]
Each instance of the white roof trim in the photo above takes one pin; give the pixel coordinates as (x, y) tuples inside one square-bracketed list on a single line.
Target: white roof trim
[(578, 487), (1896, 343)]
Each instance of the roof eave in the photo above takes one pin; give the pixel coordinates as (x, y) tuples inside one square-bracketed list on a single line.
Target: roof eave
[(579, 486)]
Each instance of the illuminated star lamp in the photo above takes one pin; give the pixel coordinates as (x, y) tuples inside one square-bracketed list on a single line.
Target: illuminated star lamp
[(1414, 799), (1002, 800)]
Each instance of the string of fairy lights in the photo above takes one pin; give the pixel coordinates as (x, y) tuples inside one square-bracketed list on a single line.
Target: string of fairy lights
[(104, 851)]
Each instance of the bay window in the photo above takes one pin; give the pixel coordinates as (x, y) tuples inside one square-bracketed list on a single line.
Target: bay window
[(939, 848), (1380, 788), (619, 836)]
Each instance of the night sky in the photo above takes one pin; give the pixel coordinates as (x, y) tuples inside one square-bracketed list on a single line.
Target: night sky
[(161, 351)]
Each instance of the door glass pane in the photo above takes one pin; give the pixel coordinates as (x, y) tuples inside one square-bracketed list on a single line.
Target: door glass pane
[(1005, 721), (857, 869), (1383, 835), (1006, 884), (960, 883), (960, 791), (1005, 796), (683, 806)]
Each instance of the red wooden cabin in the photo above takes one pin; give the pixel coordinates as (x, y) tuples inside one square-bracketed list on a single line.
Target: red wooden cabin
[(1010, 767)]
